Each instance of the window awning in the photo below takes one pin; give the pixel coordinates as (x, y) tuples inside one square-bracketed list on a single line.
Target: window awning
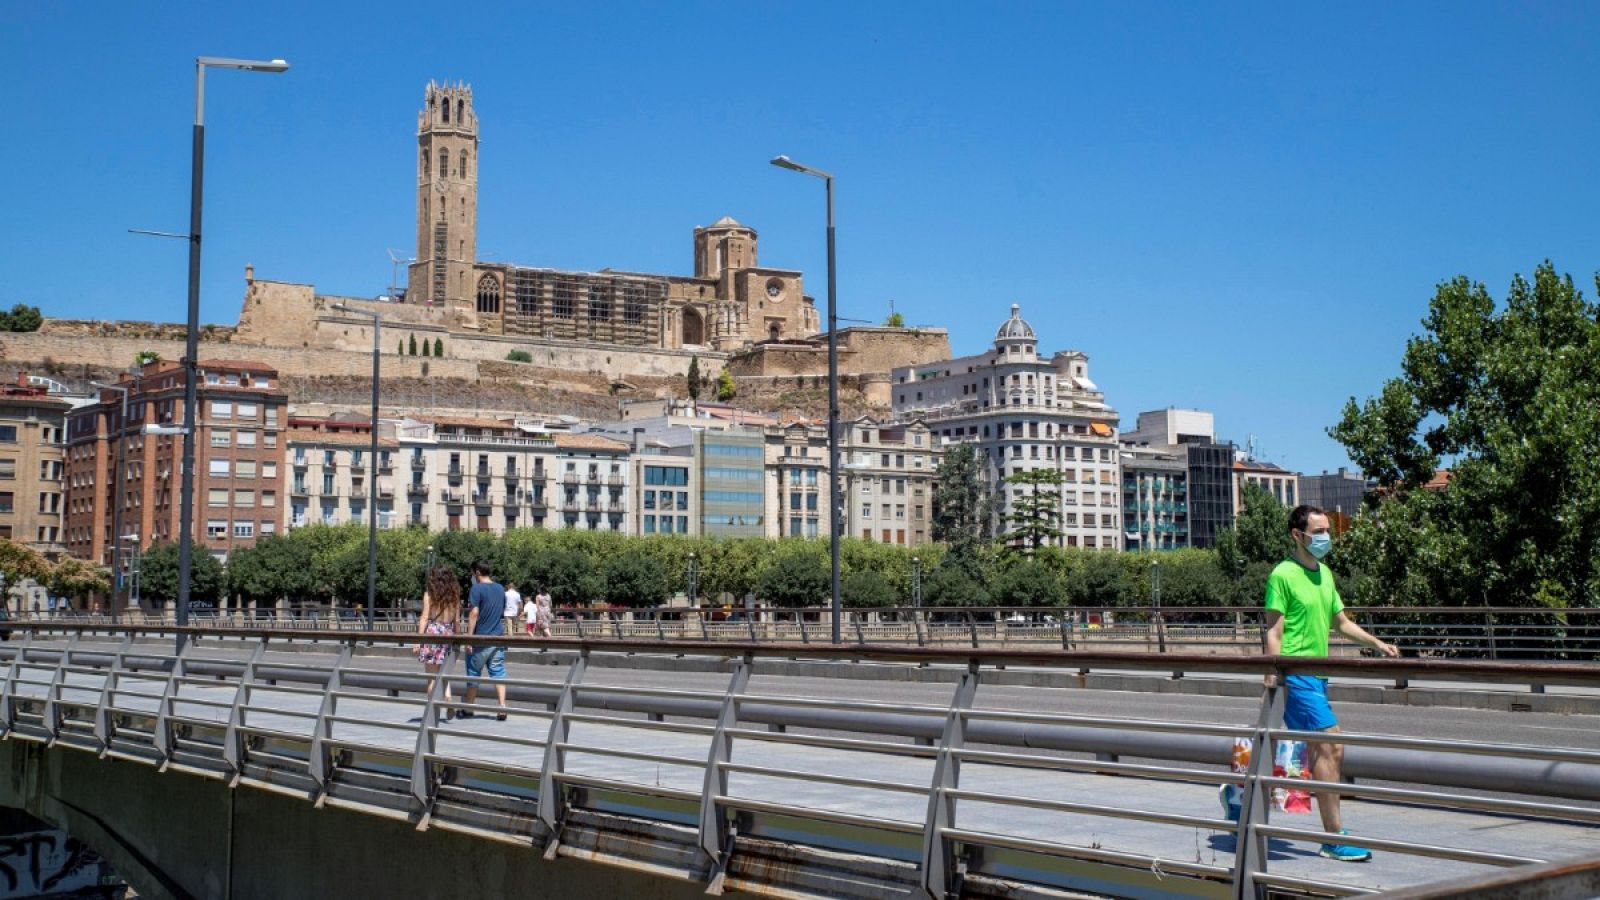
[(1100, 428)]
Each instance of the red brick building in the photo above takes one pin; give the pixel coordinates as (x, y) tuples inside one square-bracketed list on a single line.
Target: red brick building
[(239, 474)]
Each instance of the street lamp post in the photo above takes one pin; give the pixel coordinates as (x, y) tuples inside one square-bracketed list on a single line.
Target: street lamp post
[(191, 351), (1155, 602), (372, 499), (116, 502), (692, 584), (784, 162), (916, 581)]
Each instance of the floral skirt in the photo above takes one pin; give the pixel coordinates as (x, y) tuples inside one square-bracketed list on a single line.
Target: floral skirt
[(433, 654)]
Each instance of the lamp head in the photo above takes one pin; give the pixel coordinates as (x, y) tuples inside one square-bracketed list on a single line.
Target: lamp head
[(244, 65)]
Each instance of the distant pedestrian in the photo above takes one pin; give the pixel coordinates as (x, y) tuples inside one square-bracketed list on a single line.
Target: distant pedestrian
[(1302, 607), (542, 601), (441, 612), (513, 608), (487, 600)]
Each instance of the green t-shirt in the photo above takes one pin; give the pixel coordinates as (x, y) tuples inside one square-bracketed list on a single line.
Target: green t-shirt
[(1308, 602)]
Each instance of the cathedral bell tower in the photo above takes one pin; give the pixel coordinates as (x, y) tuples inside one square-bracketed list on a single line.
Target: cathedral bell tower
[(447, 198)]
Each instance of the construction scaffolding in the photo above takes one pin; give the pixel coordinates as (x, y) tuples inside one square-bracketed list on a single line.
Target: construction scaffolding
[(575, 306)]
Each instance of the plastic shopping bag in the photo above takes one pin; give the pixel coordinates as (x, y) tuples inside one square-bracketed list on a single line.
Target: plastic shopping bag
[(1289, 761)]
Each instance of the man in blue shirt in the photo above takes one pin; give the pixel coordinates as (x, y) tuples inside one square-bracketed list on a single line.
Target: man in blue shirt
[(487, 601)]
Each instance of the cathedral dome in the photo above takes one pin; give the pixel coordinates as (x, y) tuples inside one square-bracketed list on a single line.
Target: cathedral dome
[(1015, 327)]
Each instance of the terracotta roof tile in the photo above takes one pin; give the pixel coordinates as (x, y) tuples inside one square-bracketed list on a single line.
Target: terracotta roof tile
[(588, 442)]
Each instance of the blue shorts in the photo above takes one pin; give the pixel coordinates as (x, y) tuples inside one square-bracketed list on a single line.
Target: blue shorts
[(494, 658), (1306, 708)]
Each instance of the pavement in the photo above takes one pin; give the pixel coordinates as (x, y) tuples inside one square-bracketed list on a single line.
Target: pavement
[(392, 723)]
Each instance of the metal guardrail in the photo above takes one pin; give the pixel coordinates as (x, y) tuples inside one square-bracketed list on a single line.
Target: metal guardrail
[(218, 707), (1567, 880), (1457, 633)]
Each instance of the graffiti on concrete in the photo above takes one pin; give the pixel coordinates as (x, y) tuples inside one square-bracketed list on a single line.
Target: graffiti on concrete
[(42, 863)]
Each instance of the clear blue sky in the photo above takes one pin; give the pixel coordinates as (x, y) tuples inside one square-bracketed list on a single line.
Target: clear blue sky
[(1233, 206)]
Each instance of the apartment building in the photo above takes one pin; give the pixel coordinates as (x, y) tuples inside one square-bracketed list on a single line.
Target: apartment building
[(333, 476), (1025, 411), (238, 459), (1283, 485), (32, 463), (1155, 498)]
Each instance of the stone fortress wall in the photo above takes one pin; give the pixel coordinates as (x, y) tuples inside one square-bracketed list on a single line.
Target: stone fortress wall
[(299, 332)]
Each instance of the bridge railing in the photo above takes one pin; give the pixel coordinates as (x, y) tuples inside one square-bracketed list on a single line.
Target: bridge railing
[(318, 714), (1433, 632)]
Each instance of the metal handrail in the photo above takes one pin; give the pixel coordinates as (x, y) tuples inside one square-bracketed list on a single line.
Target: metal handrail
[(345, 677)]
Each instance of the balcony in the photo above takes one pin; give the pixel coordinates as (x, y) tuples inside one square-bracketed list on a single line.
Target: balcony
[(571, 503), (419, 462), (386, 491), (298, 490), (483, 472), (416, 490), (300, 462), (512, 474), (538, 474), (533, 502), (453, 495), (386, 467), (614, 480), (594, 477), (358, 492), (592, 504), (419, 521), (455, 470), (569, 478), (357, 464), (485, 500)]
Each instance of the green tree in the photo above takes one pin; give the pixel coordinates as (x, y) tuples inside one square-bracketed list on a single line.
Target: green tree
[(1509, 397), (158, 575), (400, 348), (1036, 514), (867, 587), (79, 580), (692, 379), (22, 317), (960, 508), (145, 357), (567, 575), (895, 320), (277, 567), (411, 345), (950, 585), (726, 389), (19, 561), (796, 578), (1028, 583), (635, 579), (1098, 579), (427, 348), (1262, 527), (521, 356), (438, 347)]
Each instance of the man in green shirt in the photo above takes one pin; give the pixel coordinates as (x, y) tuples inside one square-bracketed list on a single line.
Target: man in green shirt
[(1303, 606)]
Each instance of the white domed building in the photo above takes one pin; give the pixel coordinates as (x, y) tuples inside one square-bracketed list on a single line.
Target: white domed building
[(1026, 411)]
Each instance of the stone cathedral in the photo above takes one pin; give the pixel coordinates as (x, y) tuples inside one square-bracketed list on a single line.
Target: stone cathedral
[(728, 303)]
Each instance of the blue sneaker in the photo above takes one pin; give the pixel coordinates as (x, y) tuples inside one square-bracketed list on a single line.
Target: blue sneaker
[(1229, 808), (1345, 852)]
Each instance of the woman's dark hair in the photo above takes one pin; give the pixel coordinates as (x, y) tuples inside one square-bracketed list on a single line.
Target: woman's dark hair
[(444, 592)]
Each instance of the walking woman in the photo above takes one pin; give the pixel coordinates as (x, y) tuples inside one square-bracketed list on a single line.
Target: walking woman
[(441, 611)]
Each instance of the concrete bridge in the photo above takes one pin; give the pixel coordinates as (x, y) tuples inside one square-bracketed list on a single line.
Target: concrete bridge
[(273, 763)]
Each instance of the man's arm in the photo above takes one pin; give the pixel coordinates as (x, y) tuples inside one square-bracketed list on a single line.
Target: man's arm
[(1343, 624), (1274, 640)]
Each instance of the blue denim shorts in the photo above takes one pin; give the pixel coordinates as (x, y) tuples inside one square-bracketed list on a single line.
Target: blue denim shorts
[(1306, 707), (494, 658)]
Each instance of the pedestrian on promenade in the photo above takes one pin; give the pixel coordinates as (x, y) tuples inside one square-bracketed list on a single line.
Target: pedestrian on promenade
[(487, 600), (441, 611), (1303, 606), (542, 623), (513, 608)]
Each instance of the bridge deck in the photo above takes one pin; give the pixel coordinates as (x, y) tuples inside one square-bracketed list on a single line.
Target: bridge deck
[(473, 739)]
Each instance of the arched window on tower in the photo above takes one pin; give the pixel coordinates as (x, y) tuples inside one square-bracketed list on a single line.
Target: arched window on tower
[(488, 295), (446, 106), (444, 163), (425, 167), (461, 111), (464, 156)]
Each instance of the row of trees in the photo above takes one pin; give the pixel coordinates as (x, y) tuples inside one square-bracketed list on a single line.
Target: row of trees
[(327, 564), (408, 347), (68, 577), (695, 382)]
